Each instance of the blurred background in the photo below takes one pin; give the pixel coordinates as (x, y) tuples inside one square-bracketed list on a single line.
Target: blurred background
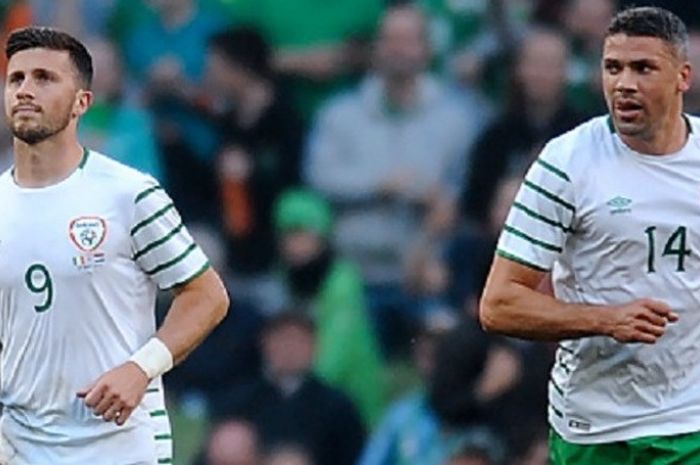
[(347, 165)]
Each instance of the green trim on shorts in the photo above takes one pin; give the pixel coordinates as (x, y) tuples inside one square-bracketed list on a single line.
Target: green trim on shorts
[(653, 450)]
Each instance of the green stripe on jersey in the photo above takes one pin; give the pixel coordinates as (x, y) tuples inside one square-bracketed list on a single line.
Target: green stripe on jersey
[(532, 240), (174, 261), (517, 259), (556, 387), (566, 349), (553, 169), (152, 218), (152, 390), (145, 193), (163, 437), (192, 277), (158, 413), (158, 242), (556, 412), (83, 161), (165, 460), (549, 195), (542, 218)]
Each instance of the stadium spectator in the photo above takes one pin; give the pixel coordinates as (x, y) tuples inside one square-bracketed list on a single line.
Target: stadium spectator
[(387, 155), (321, 283), (412, 431), (233, 442), (289, 404), (261, 138)]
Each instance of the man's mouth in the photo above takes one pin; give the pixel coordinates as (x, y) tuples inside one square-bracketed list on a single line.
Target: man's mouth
[(628, 109), (25, 109)]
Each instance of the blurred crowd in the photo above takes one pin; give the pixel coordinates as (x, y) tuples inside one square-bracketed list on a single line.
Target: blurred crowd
[(347, 165)]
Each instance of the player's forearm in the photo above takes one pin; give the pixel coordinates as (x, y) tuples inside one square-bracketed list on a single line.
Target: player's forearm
[(193, 314), (516, 310)]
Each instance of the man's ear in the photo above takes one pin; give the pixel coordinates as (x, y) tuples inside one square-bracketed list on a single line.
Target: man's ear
[(685, 77), (83, 100)]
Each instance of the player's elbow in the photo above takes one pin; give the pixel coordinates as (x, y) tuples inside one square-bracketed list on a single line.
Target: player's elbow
[(491, 311), (220, 305)]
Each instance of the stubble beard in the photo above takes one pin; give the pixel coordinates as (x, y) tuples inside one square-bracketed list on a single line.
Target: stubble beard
[(33, 135)]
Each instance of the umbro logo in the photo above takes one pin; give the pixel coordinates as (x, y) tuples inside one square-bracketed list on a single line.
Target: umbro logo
[(619, 205)]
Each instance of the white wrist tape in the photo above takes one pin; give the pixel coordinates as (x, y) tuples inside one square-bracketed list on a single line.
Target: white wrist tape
[(154, 358)]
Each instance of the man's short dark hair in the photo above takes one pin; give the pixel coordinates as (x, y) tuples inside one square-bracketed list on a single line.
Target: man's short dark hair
[(246, 47), (290, 318), (52, 39), (650, 21)]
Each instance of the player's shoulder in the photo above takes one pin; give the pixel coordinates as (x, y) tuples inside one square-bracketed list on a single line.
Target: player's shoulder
[(117, 176), (580, 144)]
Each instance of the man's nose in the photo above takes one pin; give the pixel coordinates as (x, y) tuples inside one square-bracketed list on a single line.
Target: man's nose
[(626, 81)]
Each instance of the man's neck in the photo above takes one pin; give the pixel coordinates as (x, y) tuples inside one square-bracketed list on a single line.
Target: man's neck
[(402, 93), (46, 163), (667, 139)]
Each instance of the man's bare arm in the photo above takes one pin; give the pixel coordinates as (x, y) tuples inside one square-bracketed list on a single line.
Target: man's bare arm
[(195, 311), (511, 305)]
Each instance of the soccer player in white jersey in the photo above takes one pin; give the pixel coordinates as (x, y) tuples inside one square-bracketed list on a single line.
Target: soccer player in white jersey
[(612, 210), (85, 243)]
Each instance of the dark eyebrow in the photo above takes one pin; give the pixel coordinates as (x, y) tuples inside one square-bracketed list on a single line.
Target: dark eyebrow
[(639, 62), (44, 71)]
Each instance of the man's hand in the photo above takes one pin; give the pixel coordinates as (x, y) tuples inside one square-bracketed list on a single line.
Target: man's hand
[(116, 393), (642, 320)]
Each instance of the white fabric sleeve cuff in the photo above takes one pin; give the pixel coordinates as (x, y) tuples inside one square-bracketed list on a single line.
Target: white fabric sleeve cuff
[(154, 358)]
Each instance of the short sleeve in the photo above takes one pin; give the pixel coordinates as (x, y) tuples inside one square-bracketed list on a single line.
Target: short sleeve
[(540, 219), (163, 247)]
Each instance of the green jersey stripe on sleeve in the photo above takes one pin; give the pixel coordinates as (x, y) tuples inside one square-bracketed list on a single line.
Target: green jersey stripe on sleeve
[(549, 195), (173, 262), (556, 387), (194, 275), (145, 193), (165, 460), (158, 242), (556, 411), (532, 240), (539, 217), (520, 260), (163, 437), (553, 169), (152, 218), (158, 413)]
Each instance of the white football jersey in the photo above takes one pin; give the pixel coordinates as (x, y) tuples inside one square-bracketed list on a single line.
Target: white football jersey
[(614, 225), (81, 263)]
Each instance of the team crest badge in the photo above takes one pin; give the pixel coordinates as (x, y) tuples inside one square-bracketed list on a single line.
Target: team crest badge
[(88, 232)]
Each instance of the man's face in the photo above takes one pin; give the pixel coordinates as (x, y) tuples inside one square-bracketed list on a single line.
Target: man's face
[(42, 96), (222, 76), (402, 50), (642, 79), (299, 247), (542, 66), (288, 350)]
